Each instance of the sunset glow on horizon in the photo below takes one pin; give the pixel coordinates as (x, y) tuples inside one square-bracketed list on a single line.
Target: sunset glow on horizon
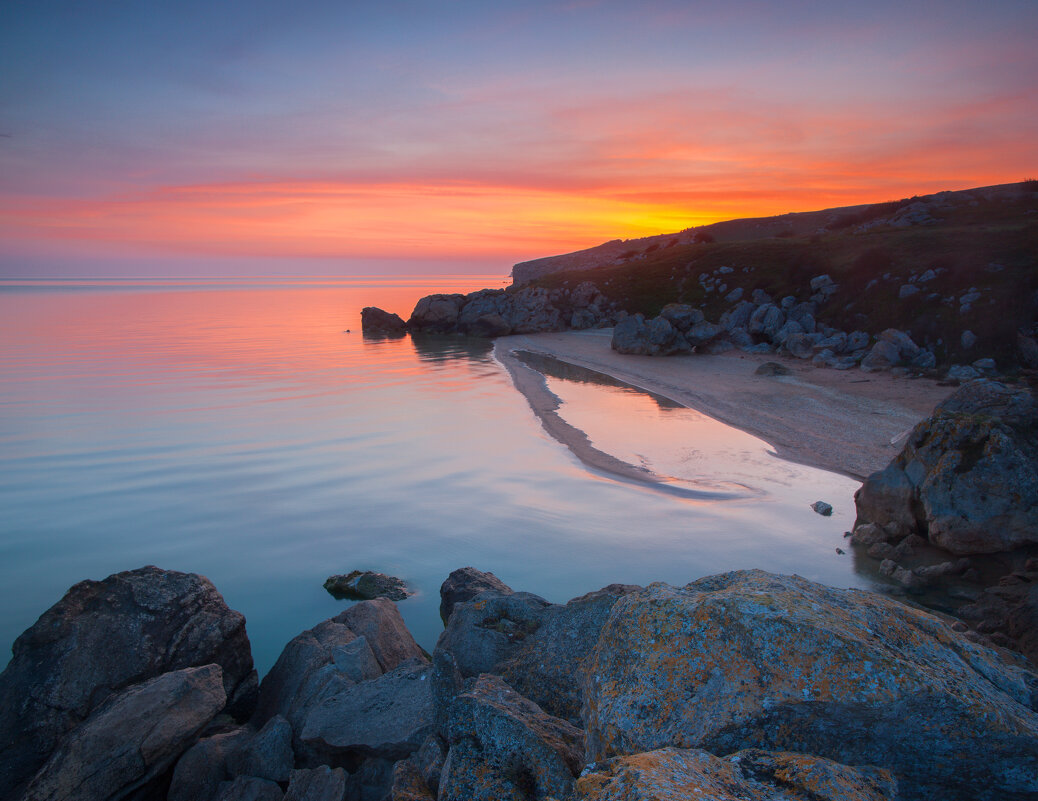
[(336, 138)]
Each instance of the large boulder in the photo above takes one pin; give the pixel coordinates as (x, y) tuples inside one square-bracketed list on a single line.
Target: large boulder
[(103, 637), (967, 477), (674, 774), (533, 312), (751, 659), (436, 313), (682, 316), (503, 746), (464, 584), (766, 320), (374, 320), (387, 717), (131, 739), (358, 644)]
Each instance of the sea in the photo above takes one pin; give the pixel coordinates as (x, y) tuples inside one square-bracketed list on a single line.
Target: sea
[(247, 430)]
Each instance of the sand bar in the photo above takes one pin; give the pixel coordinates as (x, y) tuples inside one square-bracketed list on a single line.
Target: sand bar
[(845, 421)]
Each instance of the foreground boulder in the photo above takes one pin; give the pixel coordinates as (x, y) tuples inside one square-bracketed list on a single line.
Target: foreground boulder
[(103, 637), (674, 774), (751, 659), (967, 478), (133, 738)]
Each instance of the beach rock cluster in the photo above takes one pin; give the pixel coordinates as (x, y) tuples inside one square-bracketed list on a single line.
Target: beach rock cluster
[(745, 685), (499, 312)]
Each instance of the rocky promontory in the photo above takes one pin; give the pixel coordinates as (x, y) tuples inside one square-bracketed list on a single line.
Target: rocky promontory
[(746, 685)]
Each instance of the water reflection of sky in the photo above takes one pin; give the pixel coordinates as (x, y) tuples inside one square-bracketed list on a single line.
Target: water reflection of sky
[(244, 435)]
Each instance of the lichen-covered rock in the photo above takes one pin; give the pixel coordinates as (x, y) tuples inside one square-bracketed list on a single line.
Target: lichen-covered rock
[(674, 774), (388, 717), (464, 584), (967, 476), (505, 746), (751, 659), (374, 320), (131, 739), (104, 636), (408, 783), (360, 643)]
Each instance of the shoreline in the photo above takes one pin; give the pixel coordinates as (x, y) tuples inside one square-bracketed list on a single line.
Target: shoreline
[(829, 419)]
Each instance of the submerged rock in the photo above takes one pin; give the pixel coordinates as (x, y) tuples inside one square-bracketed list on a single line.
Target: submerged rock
[(822, 508), (363, 585)]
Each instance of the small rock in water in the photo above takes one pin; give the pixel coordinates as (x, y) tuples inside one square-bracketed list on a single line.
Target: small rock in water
[(822, 508), (363, 585), (772, 368)]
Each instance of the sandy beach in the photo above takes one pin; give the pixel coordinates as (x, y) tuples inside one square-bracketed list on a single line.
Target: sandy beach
[(845, 421)]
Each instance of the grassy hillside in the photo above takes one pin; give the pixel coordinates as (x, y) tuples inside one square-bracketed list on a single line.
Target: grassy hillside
[(986, 241)]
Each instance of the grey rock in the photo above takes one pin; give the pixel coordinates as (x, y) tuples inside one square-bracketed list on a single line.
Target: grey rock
[(766, 320), (760, 297), (734, 295), (967, 476), (429, 760), (657, 337), (907, 290), (464, 584), (787, 303), (682, 316), (927, 276), (372, 782), (250, 788), (762, 348), (376, 321), (502, 744), (969, 297), (330, 657), (967, 339), (739, 317), (494, 325), (822, 508), (821, 282), (102, 637), (582, 319), (388, 717), (985, 366), (788, 328), (801, 345), (317, 784), (131, 739), (857, 340), (772, 368), (1027, 347), (408, 784), (266, 755), (925, 360), (585, 294), (752, 659), (206, 765), (740, 338), (701, 334), (836, 342), (825, 358), (717, 346), (882, 356)]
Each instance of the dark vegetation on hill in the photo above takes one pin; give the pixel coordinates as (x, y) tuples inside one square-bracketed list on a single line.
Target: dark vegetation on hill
[(959, 243)]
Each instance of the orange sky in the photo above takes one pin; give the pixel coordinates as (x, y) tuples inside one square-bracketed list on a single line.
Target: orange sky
[(482, 136)]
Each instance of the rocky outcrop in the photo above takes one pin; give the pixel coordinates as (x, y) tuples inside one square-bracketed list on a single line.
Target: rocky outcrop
[(967, 478), (374, 320), (780, 663), (746, 685), (676, 774), (103, 637)]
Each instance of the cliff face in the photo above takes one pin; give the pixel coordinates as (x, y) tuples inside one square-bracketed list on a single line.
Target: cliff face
[(606, 253)]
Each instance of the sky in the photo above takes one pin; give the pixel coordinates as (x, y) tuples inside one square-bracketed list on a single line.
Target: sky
[(323, 138)]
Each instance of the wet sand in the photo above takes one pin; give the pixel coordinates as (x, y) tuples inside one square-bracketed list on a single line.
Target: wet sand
[(846, 421)]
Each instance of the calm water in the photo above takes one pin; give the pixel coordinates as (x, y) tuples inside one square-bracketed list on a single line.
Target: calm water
[(238, 430)]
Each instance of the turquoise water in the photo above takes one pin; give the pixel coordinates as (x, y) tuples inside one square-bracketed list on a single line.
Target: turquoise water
[(246, 430)]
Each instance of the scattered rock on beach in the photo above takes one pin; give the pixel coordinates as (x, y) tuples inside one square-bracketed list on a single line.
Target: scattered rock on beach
[(772, 368), (822, 508), (364, 585)]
